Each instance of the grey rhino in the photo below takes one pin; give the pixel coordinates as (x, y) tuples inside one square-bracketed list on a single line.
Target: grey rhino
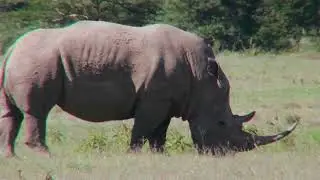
[(100, 71)]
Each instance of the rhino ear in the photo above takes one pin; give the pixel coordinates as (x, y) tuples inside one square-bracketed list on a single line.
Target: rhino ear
[(208, 41), (212, 67)]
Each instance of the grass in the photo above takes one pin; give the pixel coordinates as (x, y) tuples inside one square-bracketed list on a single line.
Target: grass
[(280, 88)]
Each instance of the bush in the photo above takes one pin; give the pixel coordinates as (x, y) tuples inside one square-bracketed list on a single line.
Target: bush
[(263, 25), (178, 143), (95, 142), (37, 14), (130, 12), (267, 25), (316, 42), (55, 136), (45, 13), (121, 136)]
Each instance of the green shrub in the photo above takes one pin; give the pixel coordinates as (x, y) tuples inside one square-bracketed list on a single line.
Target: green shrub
[(262, 25), (265, 25), (38, 14), (316, 41), (55, 136), (137, 12), (95, 142), (177, 142), (121, 136)]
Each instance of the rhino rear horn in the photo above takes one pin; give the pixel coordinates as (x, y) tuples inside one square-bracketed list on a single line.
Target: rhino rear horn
[(245, 118), (263, 140)]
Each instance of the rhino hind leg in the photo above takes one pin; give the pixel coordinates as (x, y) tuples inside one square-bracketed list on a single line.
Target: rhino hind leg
[(35, 104), (148, 117), (157, 139), (36, 133), (35, 117), (10, 123)]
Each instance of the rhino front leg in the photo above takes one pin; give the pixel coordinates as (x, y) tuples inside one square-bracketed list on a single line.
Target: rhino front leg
[(10, 123), (158, 137), (149, 116)]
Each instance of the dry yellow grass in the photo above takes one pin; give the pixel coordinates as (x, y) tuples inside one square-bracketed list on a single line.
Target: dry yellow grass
[(254, 165)]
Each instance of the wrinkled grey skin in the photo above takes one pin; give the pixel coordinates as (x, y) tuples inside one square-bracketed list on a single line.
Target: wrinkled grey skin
[(100, 71)]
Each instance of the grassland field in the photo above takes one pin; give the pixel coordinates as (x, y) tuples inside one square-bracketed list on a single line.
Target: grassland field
[(281, 88)]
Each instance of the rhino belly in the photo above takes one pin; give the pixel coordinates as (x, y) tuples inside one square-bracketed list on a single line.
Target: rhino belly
[(97, 102)]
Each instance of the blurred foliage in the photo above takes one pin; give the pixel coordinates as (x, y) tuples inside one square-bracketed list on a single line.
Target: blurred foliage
[(262, 25), (267, 25)]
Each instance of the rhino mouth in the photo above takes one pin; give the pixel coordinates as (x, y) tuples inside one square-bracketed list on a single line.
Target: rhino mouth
[(248, 141), (251, 140), (237, 140)]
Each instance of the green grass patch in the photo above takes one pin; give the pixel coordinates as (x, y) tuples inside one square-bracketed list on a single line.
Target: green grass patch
[(313, 134)]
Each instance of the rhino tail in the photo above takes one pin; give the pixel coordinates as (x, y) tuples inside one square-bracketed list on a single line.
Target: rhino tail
[(4, 63)]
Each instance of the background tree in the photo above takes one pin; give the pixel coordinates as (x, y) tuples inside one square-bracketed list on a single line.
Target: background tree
[(263, 25), (131, 12)]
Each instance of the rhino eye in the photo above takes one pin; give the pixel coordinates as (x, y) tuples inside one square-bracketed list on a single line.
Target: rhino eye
[(221, 123), (212, 67)]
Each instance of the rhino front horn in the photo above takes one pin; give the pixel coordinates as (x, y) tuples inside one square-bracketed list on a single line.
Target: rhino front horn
[(245, 118), (263, 140)]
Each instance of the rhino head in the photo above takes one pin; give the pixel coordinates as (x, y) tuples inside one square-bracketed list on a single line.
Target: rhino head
[(214, 128)]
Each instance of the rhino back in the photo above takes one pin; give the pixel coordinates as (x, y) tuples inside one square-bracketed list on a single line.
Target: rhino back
[(107, 69), (33, 58)]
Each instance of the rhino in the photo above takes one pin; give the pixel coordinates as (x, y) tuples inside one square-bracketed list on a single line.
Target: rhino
[(100, 71)]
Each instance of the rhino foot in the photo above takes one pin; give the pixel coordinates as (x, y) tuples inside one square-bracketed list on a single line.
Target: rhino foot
[(39, 148), (159, 150), (7, 152), (134, 151)]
